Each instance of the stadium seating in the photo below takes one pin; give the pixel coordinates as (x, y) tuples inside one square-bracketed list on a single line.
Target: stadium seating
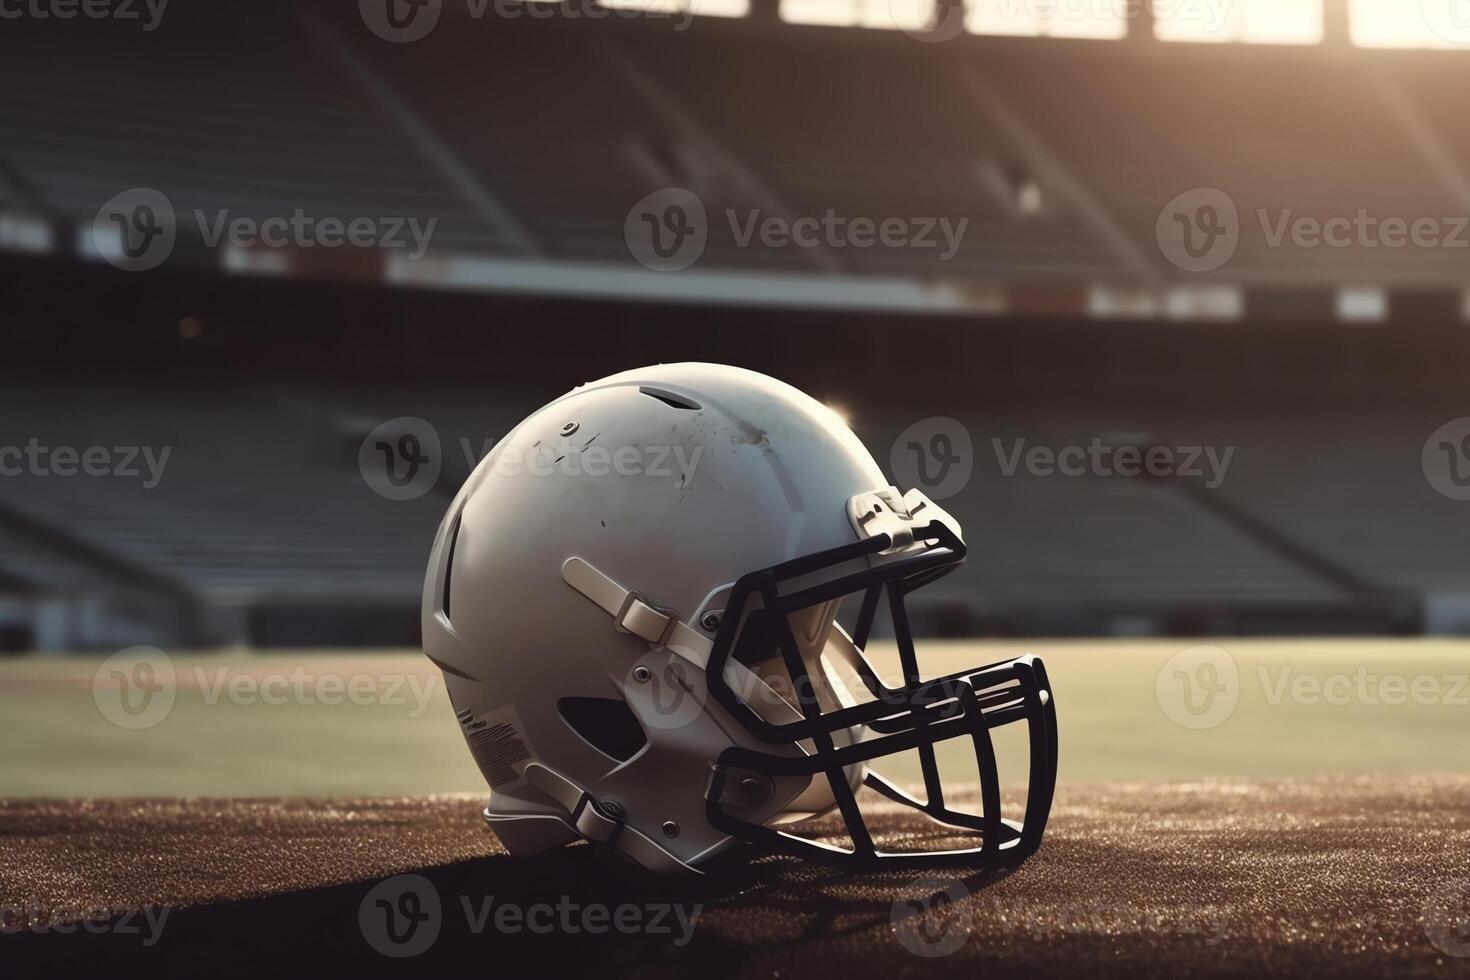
[(1060, 158), (264, 530), (1058, 154)]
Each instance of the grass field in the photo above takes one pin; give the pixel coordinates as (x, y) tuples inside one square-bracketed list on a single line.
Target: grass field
[(1302, 708), (1191, 835)]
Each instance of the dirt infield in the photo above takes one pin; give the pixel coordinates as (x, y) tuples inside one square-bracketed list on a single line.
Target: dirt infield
[(1356, 877)]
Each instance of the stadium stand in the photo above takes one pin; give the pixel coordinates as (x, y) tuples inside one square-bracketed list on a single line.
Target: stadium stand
[(1059, 155), (263, 529), (260, 518)]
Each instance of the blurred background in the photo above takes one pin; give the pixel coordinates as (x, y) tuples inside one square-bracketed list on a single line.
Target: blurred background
[(1045, 169), (1167, 301)]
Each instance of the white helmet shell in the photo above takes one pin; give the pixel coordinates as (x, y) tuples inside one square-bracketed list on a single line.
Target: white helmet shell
[(577, 585)]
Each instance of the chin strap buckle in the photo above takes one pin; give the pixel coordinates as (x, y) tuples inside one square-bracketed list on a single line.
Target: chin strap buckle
[(592, 823), (578, 806), (603, 823), (633, 614), (636, 616)]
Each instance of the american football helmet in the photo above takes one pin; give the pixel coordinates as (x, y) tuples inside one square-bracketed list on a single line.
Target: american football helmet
[(637, 603)]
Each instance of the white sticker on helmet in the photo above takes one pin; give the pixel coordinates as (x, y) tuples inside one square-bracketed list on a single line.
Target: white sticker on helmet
[(498, 742)]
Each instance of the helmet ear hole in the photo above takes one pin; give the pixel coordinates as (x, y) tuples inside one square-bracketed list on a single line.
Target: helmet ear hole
[(606, 724)]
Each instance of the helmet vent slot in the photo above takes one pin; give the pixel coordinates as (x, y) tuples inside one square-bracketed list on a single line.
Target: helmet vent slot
[(671, 399), (606, 724), (449, 567)]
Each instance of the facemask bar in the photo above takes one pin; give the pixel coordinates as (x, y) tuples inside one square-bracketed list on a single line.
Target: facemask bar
[(916, 715)]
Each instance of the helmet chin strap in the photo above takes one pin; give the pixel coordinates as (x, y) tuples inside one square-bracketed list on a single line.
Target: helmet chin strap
[(587, 817), (633, 613)]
